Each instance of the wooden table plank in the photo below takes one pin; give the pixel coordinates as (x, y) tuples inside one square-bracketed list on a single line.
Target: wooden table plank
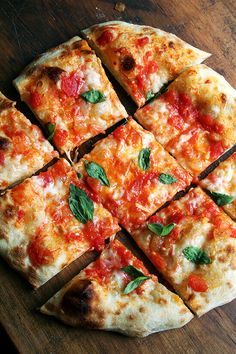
[(28, 28)]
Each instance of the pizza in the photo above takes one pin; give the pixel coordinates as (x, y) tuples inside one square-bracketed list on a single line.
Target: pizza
[(69, 92), (116, 293), (141, 58), (192, 242), (195, 119), (23, 149), (221, 185), (131, 174), (48, 221)]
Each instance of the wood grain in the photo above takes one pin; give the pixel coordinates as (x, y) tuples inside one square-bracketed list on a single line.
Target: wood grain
[(28, 28)]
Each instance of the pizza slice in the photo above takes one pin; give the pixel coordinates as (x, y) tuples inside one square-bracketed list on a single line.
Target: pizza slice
[(192, 243), (131, 174), (221, 185), (48, 221), (141, 58), (23, 149), (195, 119), (116, 293), (69, 92)]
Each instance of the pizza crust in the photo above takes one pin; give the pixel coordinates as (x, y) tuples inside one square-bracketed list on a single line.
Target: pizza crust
[(165, 74), (85, 302)]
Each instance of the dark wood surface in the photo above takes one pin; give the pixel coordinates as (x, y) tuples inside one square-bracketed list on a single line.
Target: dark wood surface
[(28, 28)]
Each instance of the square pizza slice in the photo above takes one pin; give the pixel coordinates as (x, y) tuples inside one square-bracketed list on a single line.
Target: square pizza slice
[(195, 119), (69, 92), (221, 185), (48, 221), (141, 58), (23, 148), (117, 293), (131, 174), (192, 242)]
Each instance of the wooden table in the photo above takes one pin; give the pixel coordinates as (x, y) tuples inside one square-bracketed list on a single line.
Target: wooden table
[(28, 28)]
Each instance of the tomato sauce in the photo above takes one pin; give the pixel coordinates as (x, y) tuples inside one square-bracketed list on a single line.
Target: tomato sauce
[(38, 254), (105, 38)]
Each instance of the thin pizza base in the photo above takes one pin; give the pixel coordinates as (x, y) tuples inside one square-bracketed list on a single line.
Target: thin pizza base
[(99, 303), (133, 194), (199, 223), (23, 148), (141, 58), (194, 119), (39, 235), (52, 84), (223, 180)]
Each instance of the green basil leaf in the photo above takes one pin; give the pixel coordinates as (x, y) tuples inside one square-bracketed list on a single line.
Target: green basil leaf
[(133, 271), (51, 130), (165, 178), (79, 175), (160, 229), (149, 96), (93, 96), (221, 199), (196, 255), (134, 284), (144, 159), (96, 171), (80, 204)]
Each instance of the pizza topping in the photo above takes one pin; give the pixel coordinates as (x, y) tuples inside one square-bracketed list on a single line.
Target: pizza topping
[(93, 96), (2, 158), (150, 95), (221, 199), (216, 149), (197, 283), (80, 204), (54, 73), (127, 63), (71, 84), (96, 171), (139, 278), (4, 143), (208, 123), (38, 254), (141, 42), (105, 38), (165, 178), (35, 100), (196, 255), (51, 130), (158, 260), (160, 229), (60, 137), (144, 159)]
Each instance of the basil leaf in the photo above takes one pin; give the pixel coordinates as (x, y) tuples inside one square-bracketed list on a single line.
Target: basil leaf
[(165, 178), (93, 96), (96, 171), (149, 96), (160, 229), (196, 255), (80, 204), (51, 130), (134, 284), (221, 199), (144, 159), (131, 270), (79, 175)]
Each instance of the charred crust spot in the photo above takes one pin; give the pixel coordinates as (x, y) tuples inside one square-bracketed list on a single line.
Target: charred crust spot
[(86, 52), (9, 212), (3, 235), (77, 299), (5, 143), (131, 317), (80, 44), (230, 285), (161, 301), (6, 104), (223, 98), (127, 63), (171, 45), (141, 309), (53, 72)]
